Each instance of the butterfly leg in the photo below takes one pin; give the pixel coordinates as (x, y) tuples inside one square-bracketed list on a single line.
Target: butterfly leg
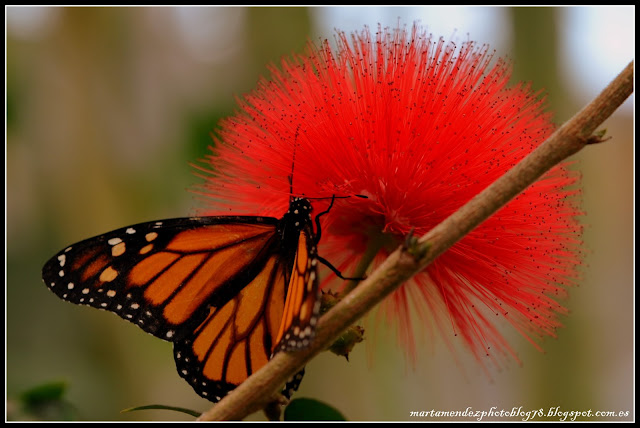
[(337, 272), (318, 228), (323, 260)]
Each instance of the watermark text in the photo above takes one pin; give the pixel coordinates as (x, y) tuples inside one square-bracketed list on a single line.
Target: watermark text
[(520, 413)]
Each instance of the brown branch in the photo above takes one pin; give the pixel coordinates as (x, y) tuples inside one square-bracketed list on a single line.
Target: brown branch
[(402, 264)]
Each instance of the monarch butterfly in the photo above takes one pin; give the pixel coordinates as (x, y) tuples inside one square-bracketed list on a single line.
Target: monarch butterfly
[(228, 291)]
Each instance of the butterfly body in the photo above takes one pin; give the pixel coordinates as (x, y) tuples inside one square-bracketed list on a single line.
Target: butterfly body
[(228, 291)]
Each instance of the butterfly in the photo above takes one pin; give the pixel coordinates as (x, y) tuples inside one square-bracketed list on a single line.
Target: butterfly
[(228, 291)]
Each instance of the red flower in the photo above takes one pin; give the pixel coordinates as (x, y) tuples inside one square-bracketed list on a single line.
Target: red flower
[(419, 126)]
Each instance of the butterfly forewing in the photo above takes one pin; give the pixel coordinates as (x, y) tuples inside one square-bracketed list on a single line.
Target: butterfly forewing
[(160, 275)]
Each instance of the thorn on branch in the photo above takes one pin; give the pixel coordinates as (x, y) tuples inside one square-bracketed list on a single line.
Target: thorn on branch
[(353, 335), (410, 241), (412, 246), (273, 410), (344, 344), (598, 137)]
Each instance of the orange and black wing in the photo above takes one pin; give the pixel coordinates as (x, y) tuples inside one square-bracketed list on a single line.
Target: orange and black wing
[(302, 306), (276, 311), (163, 275)]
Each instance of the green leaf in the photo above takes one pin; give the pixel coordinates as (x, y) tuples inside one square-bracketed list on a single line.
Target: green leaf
[(162, 407), (46, 402), (52, 391), (307, 409)]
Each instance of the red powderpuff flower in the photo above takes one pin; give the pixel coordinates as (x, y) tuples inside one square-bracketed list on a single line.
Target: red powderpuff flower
[(419, 126)]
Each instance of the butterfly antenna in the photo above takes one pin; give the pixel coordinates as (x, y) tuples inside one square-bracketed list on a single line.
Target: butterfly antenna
[(291, 176), (293, 161)]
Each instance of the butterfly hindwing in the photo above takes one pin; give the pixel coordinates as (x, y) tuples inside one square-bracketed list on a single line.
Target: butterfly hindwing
[(238, 338), (302, 306)]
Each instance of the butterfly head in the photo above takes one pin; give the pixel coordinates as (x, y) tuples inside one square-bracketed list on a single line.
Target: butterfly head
[(299, 213)]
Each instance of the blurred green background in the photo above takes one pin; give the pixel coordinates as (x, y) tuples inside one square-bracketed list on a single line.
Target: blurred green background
[(106, 107)]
